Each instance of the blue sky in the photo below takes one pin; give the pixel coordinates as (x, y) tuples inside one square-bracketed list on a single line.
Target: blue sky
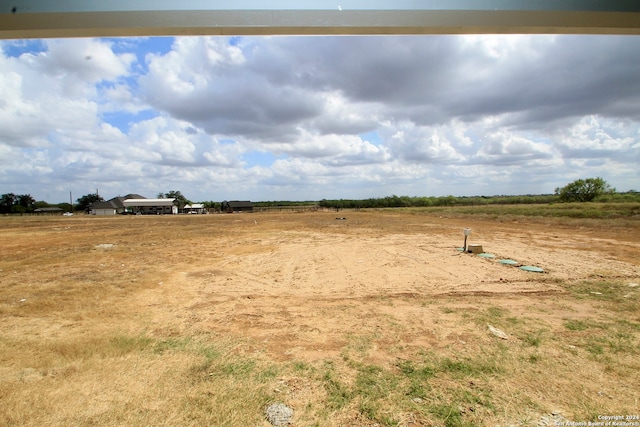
[(310, 118)]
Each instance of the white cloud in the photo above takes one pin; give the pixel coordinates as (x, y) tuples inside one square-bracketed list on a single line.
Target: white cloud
[(330, 116), (503, 147), (594, 136)]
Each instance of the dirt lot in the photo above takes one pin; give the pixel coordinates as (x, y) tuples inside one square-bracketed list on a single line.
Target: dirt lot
[(312, 289)]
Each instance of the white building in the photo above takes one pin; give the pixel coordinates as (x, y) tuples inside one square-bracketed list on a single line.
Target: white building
[(151, 206), (194, 208)]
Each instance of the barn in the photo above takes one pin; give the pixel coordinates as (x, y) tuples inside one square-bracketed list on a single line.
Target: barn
[(194, 208), (151, 206), (237, 206), (112, 206)]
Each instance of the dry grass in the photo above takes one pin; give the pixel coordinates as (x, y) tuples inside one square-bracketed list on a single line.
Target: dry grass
[(204, 320)]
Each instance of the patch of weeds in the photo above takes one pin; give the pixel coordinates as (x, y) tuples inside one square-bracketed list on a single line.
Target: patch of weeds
[(450, 415), (126, 344), (534, 358), (447, 310), (627, 325), (237, 368), (417, 388), (496, 312), (302, 367), (514, 321), (623, 342), (372, 382), (475, 397), (492, 315), (468, 367), (170, 344), (338, 394), (421, 372), (605, 291), (371, 409), (418, 376), (576, 325), (595, 348), (210, 353), (359, 344), (533, 339), (208, 369), (406, 367), (268, 373), (373, 387)]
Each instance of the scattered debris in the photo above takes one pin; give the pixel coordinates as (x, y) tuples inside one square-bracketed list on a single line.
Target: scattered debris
[(497, 332), (532, 269), (555, 418), (341, 219), (633, 285), (595, 293), (603, 394), (30, 375), (279, 414), (105, 246)]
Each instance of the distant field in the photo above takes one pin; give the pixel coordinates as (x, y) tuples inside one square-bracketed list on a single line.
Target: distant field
[(350, 318)]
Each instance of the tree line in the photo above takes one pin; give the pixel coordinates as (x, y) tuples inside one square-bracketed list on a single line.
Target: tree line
[(581, 190), (11, 203)]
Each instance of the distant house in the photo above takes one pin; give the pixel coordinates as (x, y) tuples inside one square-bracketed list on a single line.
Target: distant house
[(237, 206), (194, 208), (108, 207), (48, 211), (112, 206), (151, 206)]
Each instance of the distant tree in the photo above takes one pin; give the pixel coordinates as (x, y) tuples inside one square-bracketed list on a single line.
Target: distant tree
[(65, 206), (215, 206), (42, 204), (180, 199), (84, 203), (584, 190), (26, 201), (6, 202)]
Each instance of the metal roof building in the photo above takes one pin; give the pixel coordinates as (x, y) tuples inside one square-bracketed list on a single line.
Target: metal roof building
[(151, 206)]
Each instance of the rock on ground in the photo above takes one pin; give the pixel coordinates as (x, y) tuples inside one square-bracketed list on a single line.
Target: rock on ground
[(279, 414)]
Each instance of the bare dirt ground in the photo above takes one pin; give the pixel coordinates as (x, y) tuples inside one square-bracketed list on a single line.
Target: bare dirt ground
[(310, 288)]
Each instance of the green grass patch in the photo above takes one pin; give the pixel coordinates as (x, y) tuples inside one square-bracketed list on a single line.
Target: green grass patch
[(534, 339), (611, 292), (172, 344), (576, 325), (338, 393), (469, 367), (449, 415)]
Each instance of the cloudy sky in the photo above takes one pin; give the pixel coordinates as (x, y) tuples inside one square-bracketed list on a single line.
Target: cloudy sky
[(310, 118)]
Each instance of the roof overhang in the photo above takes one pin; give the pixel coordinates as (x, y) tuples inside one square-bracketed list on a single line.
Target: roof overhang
[(93, 18), (147, 202)]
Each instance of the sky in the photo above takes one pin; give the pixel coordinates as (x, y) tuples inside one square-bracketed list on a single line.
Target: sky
[(317, 117)]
